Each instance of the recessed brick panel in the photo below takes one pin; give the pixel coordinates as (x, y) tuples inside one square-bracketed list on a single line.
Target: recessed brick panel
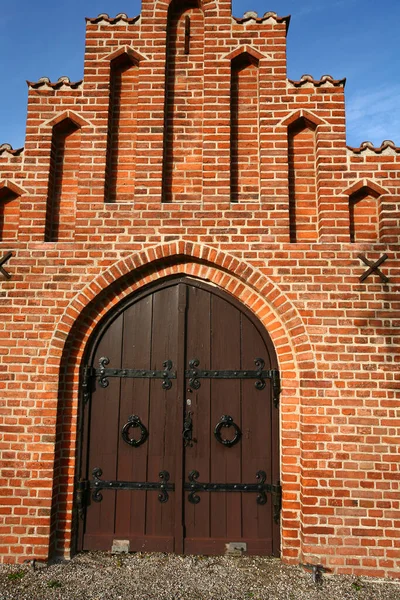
[(303, 198), (245, 158), (364, 212), (183, 154), (122, 131), (9, 214), (63, 181)]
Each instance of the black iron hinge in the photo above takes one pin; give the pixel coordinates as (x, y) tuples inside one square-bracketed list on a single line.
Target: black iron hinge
[(82, 489), (261, 488), (276, 386), (103, 373), (194, 374), (88, 373)]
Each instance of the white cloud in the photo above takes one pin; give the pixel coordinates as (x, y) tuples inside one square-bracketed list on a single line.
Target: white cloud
[(374, 116)]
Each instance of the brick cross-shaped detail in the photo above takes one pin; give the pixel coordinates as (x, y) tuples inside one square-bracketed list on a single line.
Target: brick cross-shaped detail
[(373, 268), (3, 260)]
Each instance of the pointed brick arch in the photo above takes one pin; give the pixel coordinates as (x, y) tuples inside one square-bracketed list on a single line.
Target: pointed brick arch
[(67, 115), (367, 185), (245, 49), (230, 273), (161, 7), (307, 115), (126, 51), (273, 309)]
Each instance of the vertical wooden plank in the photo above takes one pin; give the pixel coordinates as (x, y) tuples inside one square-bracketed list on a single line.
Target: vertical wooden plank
[(256, 447), (104, 434), (132, 461), (225, 400), (197, 457), (178, 418), (165, 429)]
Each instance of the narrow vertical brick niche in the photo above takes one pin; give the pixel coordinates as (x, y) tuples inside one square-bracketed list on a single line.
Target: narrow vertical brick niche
[(9, 214), (303, 204), (245, 175), (183, 142), (363, 209), (63, 181), (122, 130)]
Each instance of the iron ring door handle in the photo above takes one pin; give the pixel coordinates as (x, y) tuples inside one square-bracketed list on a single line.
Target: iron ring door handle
[(227, 421), (134, 422)]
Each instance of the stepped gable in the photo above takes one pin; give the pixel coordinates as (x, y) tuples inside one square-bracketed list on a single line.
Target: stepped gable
[(188, 204)]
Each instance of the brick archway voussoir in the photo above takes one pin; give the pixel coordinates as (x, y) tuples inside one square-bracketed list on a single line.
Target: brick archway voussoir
[(272, 308), (236, 276)]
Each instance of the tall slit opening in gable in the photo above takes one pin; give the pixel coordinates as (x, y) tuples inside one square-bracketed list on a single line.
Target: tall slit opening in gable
[(122, 130), (245, 147), (184, 93), (63, 181), (303, 202)]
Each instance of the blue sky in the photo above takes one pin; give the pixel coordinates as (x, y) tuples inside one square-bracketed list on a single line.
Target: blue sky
[(357, 39)]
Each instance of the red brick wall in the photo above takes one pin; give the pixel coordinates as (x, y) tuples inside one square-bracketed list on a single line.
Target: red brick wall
[(168, 209)]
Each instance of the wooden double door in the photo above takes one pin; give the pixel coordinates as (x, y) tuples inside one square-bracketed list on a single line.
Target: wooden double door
[(180, 427)]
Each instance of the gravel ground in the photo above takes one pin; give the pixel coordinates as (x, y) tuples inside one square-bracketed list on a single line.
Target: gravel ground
[(99, 576)]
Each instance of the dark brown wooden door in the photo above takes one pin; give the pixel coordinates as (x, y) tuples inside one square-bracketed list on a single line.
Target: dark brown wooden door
[(181, 321)]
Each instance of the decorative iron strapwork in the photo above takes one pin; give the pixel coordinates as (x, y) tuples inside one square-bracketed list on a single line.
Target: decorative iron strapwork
[(97, 485), (260, 375), (194, 375), (82, 489), (261, 488), (103, 374)]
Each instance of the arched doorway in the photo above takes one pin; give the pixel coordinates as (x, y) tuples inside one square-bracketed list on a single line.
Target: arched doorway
[(180, 448)]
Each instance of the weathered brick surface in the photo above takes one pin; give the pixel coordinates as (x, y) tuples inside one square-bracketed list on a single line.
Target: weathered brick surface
[(119, 228)]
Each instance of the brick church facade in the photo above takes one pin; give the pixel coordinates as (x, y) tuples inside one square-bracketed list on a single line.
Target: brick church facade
[(186, 157)]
